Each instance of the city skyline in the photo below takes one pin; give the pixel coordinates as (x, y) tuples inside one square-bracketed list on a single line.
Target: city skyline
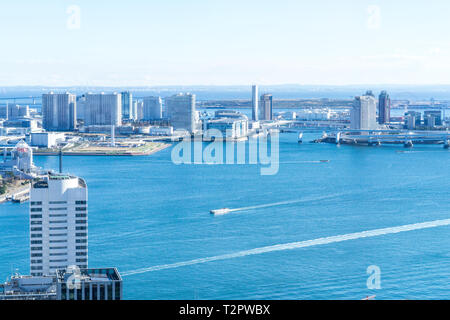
[(106, 46)]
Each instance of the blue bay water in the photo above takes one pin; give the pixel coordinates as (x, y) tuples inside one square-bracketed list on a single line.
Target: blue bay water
[(146, 211)]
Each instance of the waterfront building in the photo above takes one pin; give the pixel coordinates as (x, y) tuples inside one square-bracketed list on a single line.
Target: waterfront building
[(59, 112), (81, 107), (152, 108), (230, 114), (46, 139), (29, 124), (265, 107), (127, 105), (58, 224), (182, 112), (412, 119), (432, 118), (363, 114), (71, 283), (21, 287), (88, 284), (20, 162), (103, 109), (384, 108), (16, 112), (134, 110), (230, 128), (139, 110), (4, 112), (255, 103), (313, 114)]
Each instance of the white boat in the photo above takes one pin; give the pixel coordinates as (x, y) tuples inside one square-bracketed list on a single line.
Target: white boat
[(219, 212)]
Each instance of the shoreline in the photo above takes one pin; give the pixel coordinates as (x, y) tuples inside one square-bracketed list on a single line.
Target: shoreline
[(131, 154)]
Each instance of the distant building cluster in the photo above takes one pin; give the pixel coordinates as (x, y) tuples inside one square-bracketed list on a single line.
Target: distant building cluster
[(175, 116)]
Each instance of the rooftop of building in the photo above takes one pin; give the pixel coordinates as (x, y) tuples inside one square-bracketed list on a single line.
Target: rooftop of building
[(88, 275)]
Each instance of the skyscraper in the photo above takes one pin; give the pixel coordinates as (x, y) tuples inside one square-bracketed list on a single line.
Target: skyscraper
[(181, 112), (17, 112), (152, 108), (384, 108), (59, 111), (58, 224), (363, 113), (127, 106), (265, 107), (103, 109), (255, 103), (139, 110)]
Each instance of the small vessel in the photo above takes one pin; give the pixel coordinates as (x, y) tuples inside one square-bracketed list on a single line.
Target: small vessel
[(219, 212), (324, 160), (300, 137)]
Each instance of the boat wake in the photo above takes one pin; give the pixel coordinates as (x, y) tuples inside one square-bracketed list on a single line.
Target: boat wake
[(297, 245), (281, 203)]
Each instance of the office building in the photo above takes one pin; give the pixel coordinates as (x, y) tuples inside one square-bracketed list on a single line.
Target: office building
[(59, 111), (432, 118), (4, 112), (384, 108), (127, 106), (16, 112), (255, 103), (152, 108), (139, 110), (182, 112), (81, 107), (72, 283), (103, 109), (58, 224), (265, 107), (134, 110), (230, 128), (46, 139), (89, 284), (413, 119), (363, 114)]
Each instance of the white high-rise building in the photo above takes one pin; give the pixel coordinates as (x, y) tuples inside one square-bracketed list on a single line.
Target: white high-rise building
[(364, 113), (182, 112), (255, 103), (152, 108), (17, 112), (265, 107), (58, 224), (139, 110), (59, 111), (103, 109)]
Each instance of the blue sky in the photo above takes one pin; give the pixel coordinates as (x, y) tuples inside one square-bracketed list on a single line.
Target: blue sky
[(173, 42)]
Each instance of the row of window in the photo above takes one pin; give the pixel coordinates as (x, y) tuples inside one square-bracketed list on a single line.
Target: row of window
[(39, 203)]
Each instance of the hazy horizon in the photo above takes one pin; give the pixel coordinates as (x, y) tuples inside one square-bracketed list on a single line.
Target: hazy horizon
[(159, 43)]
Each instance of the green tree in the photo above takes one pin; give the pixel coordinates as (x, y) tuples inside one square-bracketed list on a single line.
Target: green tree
[(3, 188)]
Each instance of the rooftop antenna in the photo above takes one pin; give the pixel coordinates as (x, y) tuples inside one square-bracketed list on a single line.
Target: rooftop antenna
[(60, 160)]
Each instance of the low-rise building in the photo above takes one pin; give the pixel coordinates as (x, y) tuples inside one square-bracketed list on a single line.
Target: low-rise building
[(229, 128), (71, 283), (46, 139)]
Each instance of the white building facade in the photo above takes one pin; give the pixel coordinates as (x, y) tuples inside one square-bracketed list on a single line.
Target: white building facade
[(182, 112), (364, 113), (59, 111), (58, 224), (103, 109)]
